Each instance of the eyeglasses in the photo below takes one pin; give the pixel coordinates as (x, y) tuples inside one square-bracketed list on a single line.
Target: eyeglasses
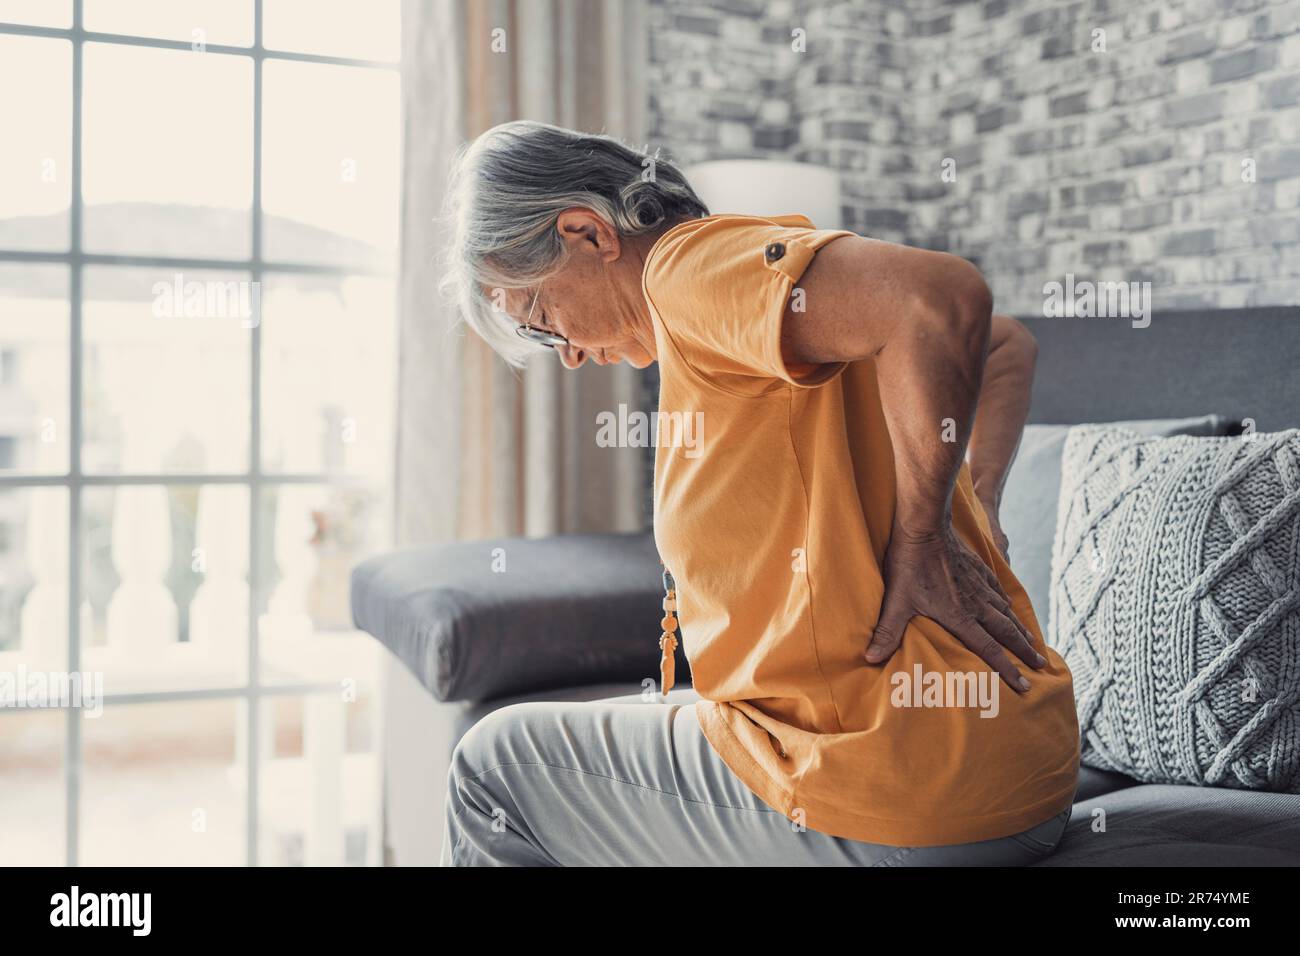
[(539, 336)]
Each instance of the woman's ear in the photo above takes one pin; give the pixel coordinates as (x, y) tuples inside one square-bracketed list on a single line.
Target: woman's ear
[(581, 229)]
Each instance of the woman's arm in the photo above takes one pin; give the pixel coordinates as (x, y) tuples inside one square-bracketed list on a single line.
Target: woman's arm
[(925, 317), (1000, 415)]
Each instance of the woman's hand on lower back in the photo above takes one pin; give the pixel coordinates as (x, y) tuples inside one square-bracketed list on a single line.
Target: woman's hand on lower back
[(939, 577)]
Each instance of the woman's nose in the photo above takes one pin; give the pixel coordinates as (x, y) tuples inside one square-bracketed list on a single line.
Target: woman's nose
[(572, 357)]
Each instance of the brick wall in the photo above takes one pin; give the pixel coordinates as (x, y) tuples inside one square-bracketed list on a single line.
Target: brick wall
[(1115, 164), (1119, 163)]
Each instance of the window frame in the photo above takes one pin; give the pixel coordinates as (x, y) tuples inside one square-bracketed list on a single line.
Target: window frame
[(254, 479)]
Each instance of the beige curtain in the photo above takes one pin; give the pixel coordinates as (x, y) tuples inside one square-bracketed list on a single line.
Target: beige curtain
[(485, 450)]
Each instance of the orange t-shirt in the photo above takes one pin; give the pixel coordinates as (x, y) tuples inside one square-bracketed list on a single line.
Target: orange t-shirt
[(774, 499)]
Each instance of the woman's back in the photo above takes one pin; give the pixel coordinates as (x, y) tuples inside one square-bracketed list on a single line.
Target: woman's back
[(774, 519)]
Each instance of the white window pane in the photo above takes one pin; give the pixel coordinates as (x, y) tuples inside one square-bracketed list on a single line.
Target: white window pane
[(359, 29), (165, 586), (313, 536), (228, 22), (166, 370), (33, 368), (331, 137), (41, 13), (168, 152), (328, 368), (33, 579), (320, 799), (32, 799), (36, 158), (163, 785)]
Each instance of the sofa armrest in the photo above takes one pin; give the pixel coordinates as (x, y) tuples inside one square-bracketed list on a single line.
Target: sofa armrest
[(479, 620)]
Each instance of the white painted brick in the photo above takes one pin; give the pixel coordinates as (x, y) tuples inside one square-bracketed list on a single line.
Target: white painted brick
[(1171, 18), (1142, 246), (1279, 292), (1289, 53), (1029, 228), (1195, 11), (1136, 25), (1217, 207), (1064, 257), (966, 17), (962, 127), (1233, 296), (1189, 271), (1032, 169), (735, 136), (1147, 184), (741, 30), (1107, 218), (1287, 124), (1105, 159), (1233, 31), (773, 112), (1101, 95), (1033, 109), (1192, 76), (1234, 235), (1242, 98), (1190, 143), (1285, 17), (1286, 194)]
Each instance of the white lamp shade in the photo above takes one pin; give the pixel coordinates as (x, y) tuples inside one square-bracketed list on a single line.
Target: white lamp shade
[(762, 187)]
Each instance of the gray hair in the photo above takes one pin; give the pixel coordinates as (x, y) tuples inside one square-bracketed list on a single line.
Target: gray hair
[(507, 189)]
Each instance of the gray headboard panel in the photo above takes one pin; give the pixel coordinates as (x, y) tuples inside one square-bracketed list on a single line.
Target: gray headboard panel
[(1242, 363)]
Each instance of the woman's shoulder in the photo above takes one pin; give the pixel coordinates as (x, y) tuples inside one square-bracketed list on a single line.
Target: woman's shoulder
[(721, 224), (713, 248)]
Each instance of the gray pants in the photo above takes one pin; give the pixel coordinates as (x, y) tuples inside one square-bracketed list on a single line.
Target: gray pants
[(624, 782)]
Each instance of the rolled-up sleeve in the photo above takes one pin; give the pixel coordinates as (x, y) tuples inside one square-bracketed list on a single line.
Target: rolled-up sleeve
[(721, 290)]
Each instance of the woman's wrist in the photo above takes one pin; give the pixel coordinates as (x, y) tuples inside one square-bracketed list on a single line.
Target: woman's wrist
[(920, 524), (989, 494)]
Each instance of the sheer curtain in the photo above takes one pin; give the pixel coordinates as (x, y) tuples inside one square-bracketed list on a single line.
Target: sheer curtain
[(483, 449)]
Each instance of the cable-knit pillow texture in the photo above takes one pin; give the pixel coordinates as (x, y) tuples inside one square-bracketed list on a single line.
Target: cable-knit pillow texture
[(1176, 603)]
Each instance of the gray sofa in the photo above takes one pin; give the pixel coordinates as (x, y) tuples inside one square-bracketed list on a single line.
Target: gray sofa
[(574, 617)]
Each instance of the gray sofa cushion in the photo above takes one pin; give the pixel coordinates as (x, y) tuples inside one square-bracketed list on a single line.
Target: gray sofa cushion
[(1094, 783), (1177, 607), (1161, 825), (1028, 514), (564, 611)]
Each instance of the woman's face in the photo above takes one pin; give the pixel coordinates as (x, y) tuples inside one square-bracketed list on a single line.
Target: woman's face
[(594, 301)]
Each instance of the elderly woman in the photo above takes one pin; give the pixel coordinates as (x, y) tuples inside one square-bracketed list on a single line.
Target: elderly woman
[(873, 687)]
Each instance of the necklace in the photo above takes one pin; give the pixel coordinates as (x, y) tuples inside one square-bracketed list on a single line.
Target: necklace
[(668, 639)]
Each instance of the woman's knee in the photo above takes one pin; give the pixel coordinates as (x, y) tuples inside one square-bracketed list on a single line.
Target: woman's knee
[(493, 740), (484, 824)]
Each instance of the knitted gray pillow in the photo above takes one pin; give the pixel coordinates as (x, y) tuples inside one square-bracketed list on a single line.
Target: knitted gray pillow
[(1175, 593)]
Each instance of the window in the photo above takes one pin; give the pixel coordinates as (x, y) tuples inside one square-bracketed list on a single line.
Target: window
[(198, 235)]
